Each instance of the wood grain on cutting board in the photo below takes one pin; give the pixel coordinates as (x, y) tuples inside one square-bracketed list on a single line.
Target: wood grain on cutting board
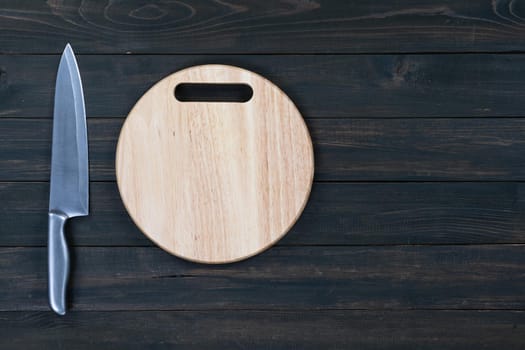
[(214, 182)]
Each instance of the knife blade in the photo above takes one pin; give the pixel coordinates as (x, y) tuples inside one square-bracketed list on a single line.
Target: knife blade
[(69, 184)]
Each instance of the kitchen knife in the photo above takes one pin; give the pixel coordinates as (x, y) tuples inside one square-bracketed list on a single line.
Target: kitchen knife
[(69, 185)]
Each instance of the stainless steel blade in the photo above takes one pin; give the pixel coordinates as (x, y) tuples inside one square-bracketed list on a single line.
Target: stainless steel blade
[(69, 161)]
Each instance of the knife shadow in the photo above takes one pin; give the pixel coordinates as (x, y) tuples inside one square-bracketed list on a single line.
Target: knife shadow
[(73, 259)]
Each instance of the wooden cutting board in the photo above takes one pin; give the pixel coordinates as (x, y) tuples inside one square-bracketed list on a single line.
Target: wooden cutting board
[(214, 182)]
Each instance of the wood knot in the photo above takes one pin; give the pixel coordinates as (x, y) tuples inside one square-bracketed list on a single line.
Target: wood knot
[(148, 12), (3, 76), (404, 71)]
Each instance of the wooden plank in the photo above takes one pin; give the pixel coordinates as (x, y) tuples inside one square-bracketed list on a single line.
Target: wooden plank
[(375, 278), (275, 26), (443, 330), (337, 214), (321, 85), (345, 149)]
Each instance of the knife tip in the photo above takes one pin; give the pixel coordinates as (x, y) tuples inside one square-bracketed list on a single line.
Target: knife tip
[(68, 48)]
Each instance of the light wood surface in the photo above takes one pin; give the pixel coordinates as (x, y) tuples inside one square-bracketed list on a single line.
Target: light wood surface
[(214, 182)]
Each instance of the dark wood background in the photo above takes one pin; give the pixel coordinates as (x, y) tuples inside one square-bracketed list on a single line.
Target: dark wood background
[(414, 236)]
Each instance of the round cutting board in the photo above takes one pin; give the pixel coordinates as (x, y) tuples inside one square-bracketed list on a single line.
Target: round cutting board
[(214, 182)]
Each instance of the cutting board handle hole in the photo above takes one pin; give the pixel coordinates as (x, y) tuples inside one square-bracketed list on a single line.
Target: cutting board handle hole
[(211, 92)]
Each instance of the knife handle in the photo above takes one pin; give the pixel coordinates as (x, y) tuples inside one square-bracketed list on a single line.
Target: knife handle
[(58, 263)]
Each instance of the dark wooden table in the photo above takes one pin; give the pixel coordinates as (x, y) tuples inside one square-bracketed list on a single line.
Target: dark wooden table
[(414, 236)]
